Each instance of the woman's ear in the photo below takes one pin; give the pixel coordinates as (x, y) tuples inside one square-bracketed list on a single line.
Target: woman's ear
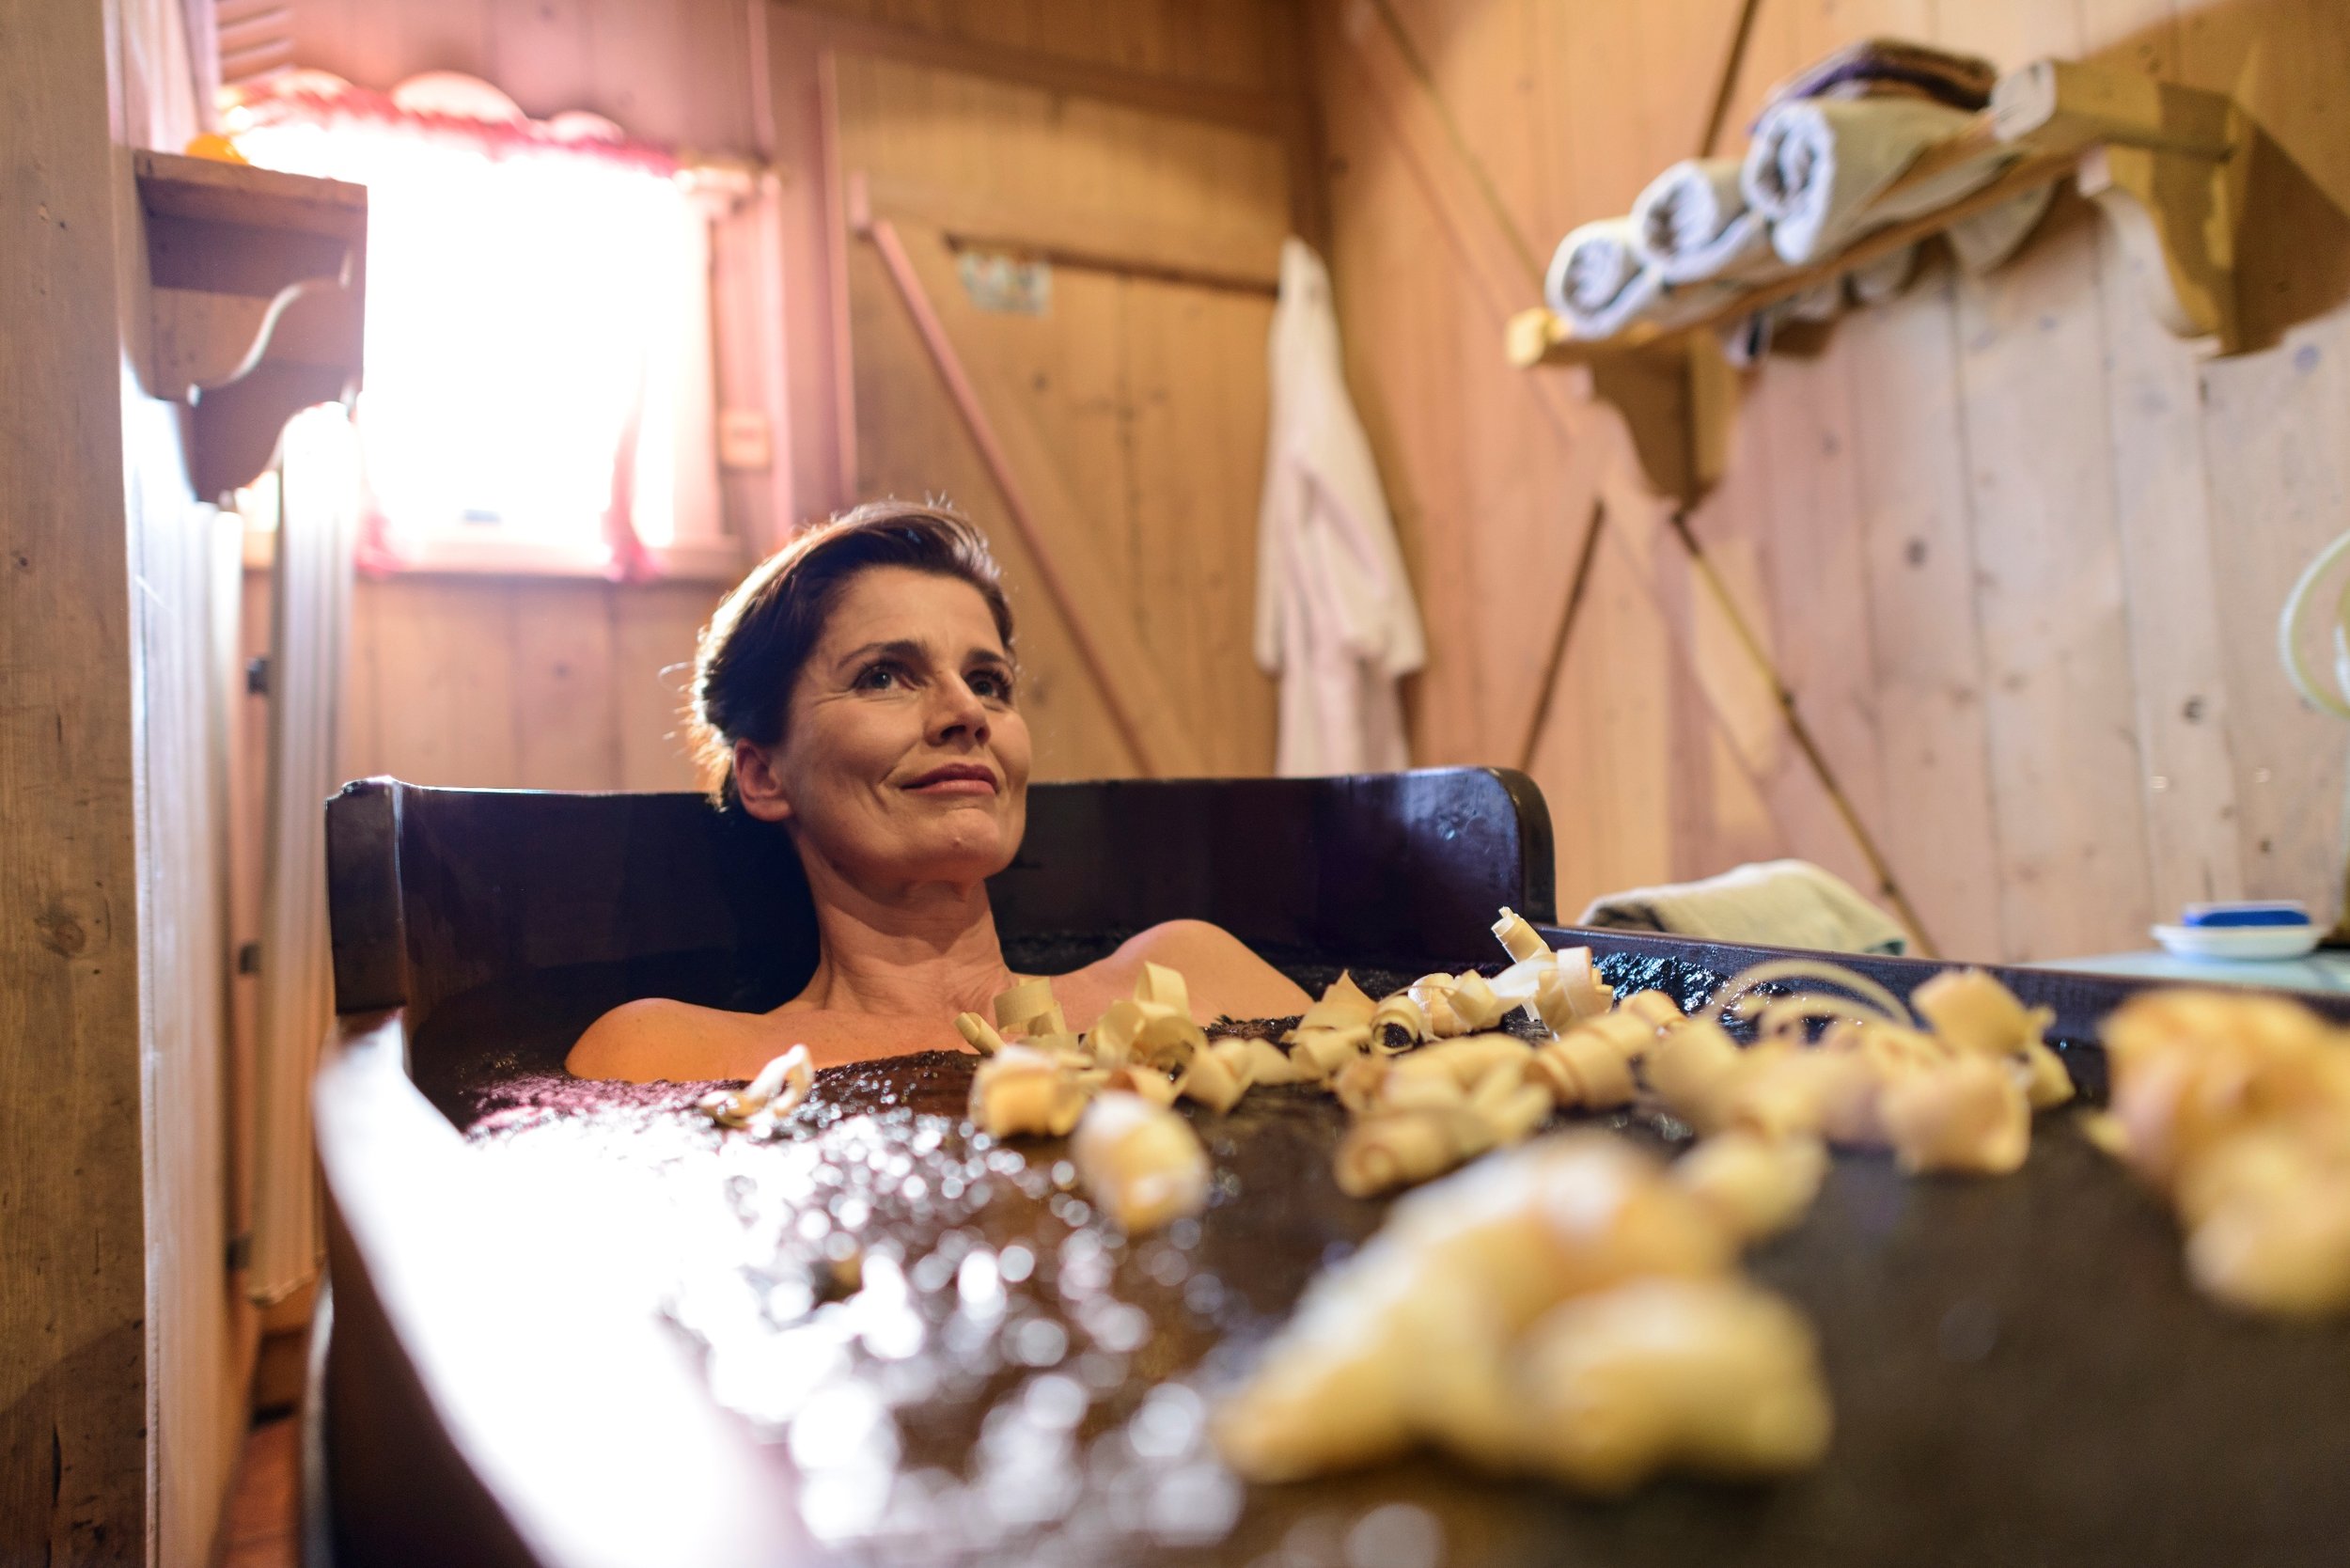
[(756, 784)]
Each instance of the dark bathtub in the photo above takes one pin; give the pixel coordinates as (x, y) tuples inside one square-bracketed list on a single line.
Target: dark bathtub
[(2020, 1372)]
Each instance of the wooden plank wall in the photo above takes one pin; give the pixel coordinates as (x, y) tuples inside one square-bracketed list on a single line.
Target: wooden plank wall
[(124, 1349), (73, 1372), (1148, 396), (2014, 555)]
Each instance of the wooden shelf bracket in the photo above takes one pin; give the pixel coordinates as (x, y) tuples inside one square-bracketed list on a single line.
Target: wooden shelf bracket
[(2164, 164), (257, 294)]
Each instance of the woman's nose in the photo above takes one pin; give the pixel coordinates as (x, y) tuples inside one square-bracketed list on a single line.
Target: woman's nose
[(957, 712)]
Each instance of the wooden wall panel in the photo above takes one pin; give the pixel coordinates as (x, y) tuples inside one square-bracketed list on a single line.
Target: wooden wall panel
[(1197, 406), (910, 445), (1935, 821), (1209, 43), (2013, 556), (494, 682), (2276, 426), (1151, 394), (74, 1357)]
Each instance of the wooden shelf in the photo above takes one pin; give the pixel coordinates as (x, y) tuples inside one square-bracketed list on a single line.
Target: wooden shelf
[(2164, 164), (258, 283)]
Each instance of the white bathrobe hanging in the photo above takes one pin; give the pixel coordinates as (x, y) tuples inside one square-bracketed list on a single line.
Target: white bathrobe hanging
[(1335, 616)]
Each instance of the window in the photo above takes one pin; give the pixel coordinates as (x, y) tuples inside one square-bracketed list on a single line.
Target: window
[(538, 388)]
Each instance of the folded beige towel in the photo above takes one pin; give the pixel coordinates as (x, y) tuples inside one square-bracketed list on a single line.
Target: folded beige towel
[(1783, 903)]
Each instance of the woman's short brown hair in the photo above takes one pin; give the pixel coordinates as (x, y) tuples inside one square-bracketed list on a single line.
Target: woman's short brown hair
[(750, 657)]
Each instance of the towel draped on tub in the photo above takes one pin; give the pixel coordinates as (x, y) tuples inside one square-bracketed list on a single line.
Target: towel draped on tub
[(1785, 903)]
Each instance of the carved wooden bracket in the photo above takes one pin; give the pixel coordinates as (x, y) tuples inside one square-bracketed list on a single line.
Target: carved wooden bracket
[(257, 284), (2165, 166)]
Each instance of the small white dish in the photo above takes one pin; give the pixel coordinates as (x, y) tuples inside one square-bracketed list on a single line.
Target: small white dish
[(2238, 944)]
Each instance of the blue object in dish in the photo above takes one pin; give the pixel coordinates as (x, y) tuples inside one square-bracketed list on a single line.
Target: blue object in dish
[(2247, 912)]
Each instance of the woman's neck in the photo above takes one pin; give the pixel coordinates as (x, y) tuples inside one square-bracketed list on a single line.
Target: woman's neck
[(928, 950)]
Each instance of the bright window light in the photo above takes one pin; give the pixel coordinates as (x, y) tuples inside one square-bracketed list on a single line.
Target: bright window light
[(536, 332)]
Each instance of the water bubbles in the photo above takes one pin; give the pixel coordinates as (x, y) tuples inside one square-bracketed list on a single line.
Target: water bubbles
[(1204, 1294), (930, 1275), (1040, 1342), (1183, 1234), (1015, 1263), (1118, 1326), (845, 1504), (790, 1299), (1168, 1424), (1056, 1402), (1396, 1535), (1195, 1504), (1166, 1265), (1064, 1174), (1102, 1371), (843, 1424), (980, 1282)]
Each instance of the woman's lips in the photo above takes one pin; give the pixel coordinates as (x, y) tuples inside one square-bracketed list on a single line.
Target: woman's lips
[(956, 779)]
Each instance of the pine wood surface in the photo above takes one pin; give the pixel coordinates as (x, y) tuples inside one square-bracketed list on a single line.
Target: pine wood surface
[(2013, 553), (73, 1370)]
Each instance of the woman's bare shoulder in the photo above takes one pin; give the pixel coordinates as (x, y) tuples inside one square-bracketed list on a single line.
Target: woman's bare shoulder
[(1224, 974), (657, 1037)]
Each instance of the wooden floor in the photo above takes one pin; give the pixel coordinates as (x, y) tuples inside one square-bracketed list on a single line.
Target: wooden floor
[(265, 1509)]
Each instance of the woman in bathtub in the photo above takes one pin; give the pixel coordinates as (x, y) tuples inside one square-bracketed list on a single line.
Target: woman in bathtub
[(859, 691)]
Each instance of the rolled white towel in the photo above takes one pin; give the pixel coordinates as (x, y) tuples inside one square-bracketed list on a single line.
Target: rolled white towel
[(1817, 168), (1598, 281), (1693, 222)]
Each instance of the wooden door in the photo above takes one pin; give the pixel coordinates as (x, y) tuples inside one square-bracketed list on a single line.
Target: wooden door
[(1131, 400)]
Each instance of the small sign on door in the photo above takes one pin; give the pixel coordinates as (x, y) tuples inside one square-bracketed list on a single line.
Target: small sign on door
[(1004, 283)]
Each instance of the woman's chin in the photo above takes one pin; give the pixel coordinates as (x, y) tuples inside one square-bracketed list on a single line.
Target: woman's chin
[(972, 856)]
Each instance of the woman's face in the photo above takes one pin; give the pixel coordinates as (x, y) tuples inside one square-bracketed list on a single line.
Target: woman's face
[(902, 760)]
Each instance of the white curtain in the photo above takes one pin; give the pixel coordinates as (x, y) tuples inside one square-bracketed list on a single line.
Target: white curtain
[(310, 615)]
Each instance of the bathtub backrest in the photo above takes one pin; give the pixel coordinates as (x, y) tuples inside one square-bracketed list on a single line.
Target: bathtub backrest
[(434, 892)]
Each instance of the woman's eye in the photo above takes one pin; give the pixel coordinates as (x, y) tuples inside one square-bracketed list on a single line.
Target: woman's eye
[(880, 678), (992, 684)]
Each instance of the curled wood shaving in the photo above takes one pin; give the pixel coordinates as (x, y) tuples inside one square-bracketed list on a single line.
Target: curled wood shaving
[(1451, 1327), (1140, 1163), (779, 1091), (2236, 1108), (979, 1034)]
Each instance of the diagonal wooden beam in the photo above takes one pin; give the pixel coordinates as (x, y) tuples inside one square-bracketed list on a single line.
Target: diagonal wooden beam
[(1041, 507), (1555, 659)]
